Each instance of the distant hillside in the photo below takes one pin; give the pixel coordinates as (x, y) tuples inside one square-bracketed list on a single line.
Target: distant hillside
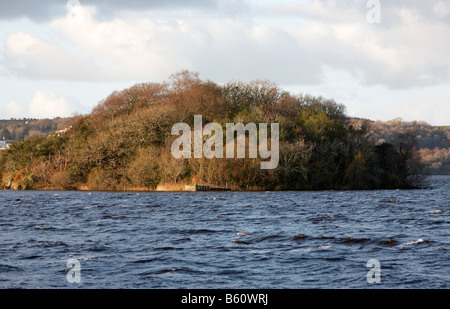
[(21, 129), (427, 135), (445, 128), (433, 141)]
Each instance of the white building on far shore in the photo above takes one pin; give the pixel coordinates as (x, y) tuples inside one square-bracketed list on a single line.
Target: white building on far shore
[(4, 145)]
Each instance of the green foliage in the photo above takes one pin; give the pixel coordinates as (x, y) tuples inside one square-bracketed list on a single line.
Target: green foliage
[(317, 126)]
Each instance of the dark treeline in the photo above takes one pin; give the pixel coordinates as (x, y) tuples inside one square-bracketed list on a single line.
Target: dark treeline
[(124, 144)]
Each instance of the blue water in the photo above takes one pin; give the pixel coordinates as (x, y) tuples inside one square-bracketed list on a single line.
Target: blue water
[(227, 240)]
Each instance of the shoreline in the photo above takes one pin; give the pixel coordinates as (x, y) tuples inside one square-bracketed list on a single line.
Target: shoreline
[(182, 188), (213, 191)]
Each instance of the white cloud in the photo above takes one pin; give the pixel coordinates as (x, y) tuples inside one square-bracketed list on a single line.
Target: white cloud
[(136, 49), (14, 110), (292, 43), (408, 51), (412, 51), (142, 47), (36, 58), (45, 104), (442, 8)]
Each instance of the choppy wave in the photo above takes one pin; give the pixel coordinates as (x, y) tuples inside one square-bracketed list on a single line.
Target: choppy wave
[(226, 239)]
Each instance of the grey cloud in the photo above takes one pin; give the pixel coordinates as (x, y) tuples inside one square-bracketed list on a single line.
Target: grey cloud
[(36, 10), (107, 8), (44, 10)]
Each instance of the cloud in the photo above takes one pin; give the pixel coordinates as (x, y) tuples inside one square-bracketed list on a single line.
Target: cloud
[(350, 11), (152, 48), (45, 104), (442, 9), (13, 110), (37, 58), (408, 49), (37, 10), (45, 10)]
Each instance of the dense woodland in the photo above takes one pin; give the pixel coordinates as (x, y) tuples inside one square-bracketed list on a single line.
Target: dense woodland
[(124, 144)]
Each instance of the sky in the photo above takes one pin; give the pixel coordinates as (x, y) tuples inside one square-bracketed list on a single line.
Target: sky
[(381, 59)]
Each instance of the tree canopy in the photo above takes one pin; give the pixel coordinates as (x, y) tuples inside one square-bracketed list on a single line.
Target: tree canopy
[(124, 144)]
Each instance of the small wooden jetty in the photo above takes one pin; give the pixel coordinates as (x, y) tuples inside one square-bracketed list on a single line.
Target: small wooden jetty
[(204, 188)]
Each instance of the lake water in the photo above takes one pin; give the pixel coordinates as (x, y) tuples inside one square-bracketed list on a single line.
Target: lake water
[(226, 240)]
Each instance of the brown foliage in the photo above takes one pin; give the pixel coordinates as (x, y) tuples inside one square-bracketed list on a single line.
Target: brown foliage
[(145, 170)]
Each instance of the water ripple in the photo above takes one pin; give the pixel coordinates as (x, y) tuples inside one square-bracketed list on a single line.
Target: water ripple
[(226, 239)]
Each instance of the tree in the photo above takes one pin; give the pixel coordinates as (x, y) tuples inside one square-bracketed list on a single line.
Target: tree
[(126, 142), (294, 161), (146, 170), (317, 126), (5, 134), (410, 165)]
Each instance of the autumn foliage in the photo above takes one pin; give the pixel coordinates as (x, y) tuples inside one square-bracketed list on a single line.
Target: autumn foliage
[(124, 144)]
